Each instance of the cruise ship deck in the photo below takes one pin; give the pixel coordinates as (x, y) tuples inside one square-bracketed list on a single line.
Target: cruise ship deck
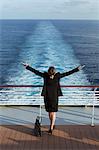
[(73, 129), (77, 121)]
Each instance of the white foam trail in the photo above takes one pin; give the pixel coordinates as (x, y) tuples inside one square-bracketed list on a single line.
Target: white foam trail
[(46, 47)]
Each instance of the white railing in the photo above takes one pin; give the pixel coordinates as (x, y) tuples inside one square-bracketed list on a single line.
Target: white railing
[(30, 95)]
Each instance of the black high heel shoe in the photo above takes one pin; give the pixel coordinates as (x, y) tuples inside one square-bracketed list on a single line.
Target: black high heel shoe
[(53, 127), (50, 131)]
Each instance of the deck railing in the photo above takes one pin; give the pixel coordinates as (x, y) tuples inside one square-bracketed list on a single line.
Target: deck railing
[(30, 95), (74, 95)]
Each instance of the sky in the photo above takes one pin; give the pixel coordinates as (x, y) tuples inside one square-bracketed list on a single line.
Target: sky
[(49, 9)]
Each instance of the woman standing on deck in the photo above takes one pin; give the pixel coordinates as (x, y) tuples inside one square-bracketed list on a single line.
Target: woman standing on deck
[(51, 90)]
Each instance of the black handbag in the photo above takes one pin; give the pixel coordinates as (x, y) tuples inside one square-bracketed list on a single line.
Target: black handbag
[(37, 127)]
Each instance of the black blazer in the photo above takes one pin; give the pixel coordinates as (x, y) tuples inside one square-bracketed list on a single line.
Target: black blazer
[(55, 82)]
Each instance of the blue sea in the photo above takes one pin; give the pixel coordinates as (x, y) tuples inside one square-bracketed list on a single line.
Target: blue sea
[(42, 43), (64, 44)]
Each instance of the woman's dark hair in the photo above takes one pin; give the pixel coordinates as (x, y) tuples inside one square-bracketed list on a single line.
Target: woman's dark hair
[(51, 70)]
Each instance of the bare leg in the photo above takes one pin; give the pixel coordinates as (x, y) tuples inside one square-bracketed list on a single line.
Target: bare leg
[(53, 120), (52, 117)]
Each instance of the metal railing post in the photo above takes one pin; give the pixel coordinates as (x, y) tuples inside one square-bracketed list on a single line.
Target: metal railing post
[(93, 110), (40, 115)]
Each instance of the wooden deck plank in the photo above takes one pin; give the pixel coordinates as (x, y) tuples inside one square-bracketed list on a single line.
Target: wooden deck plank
[(64, 137)]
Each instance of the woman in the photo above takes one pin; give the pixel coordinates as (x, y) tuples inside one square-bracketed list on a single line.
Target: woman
[(51, 90)]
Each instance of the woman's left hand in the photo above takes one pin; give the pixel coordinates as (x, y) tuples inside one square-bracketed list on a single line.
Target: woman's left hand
[(25, 64)]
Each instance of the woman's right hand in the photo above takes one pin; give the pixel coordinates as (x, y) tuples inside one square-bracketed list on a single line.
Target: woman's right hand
[(25, 64), (81, 67)]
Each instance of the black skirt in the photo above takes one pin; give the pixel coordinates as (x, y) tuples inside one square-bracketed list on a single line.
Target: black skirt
[(51, 105), (51, 98)]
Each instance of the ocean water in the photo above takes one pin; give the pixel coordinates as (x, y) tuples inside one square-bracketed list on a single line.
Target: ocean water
[(42, 43)]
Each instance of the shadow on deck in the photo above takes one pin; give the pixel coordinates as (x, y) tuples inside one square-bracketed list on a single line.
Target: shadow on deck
[(64, 137)]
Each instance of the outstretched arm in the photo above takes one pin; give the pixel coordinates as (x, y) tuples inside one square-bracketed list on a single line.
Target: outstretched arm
[(33, 70), (71, 71)]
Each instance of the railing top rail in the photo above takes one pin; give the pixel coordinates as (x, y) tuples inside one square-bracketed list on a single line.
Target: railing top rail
[(64, 86)]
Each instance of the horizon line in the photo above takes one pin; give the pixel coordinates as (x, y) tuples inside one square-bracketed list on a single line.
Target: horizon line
[(46, 19)]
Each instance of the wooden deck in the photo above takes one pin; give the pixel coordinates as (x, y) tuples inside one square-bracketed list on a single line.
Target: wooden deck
[(65, 137)]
